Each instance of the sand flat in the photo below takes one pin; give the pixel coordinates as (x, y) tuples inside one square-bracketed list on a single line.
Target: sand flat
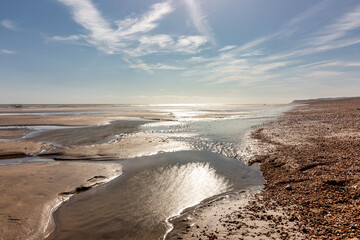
[(130, 147), (20, 148), (30, 192), (76, 120), (13, 133)]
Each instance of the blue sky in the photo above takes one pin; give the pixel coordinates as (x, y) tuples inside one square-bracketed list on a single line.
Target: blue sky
[(183, 51)]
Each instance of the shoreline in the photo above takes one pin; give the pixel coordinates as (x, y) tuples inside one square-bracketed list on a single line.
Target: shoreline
[(183, 213), (316, 157), (51, 184), (183, 221), (151, 144), (50, 224), (201, 220), (309, 158)]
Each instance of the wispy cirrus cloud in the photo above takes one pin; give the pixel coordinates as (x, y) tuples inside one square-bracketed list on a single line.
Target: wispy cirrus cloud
[(199, 19), (333, 36), (226, 48), (339, 29), (102, 35), (288, 29), (167, 44), (130, 36), (67, 38), (146, 23), (7, 52), (256, 62), (9, 24), (151, 67)]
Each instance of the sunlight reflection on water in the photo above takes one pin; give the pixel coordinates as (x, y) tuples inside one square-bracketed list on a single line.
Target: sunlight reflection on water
[(152, 189), (179, 187)]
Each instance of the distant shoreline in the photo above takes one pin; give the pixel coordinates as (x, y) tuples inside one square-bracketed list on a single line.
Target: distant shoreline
[(315, 100)]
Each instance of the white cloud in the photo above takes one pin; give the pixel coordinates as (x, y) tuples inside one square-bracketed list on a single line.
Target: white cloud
[(67, 38), (251, 63), (166, 44), (254, 62), (151, 67), (331, 64), (308, 13), (132, 35), (190, 44), (146, 23), (167, 67), (142, 66), (333, 36), (199, 20), (9, 24), (287, 30), (152, 44), (309, 50), (339, 29), (198, 59), (352, 64), (162, 40), (100, 32), (232, 67), (7, 52), (226, 48)]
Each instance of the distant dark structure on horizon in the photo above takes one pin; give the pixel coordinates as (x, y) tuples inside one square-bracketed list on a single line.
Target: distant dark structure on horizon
[(318, 100)]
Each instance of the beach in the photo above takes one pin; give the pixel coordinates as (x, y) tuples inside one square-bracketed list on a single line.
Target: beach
[(30, 193), (49, 153), (37, 134), (310, 159)]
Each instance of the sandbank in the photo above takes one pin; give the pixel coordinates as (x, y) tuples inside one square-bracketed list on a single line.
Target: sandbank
[(30, 193)]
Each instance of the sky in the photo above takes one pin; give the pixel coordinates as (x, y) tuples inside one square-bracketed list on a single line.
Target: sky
[(178, 51)]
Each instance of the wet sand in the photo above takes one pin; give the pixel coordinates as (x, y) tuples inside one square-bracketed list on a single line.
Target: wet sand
[(238, 216), (310, 161), (118, 139), (30, 193), (76, 120), (64, 176), (12, 149), (129, 147), (126, 148), (13, 133)]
